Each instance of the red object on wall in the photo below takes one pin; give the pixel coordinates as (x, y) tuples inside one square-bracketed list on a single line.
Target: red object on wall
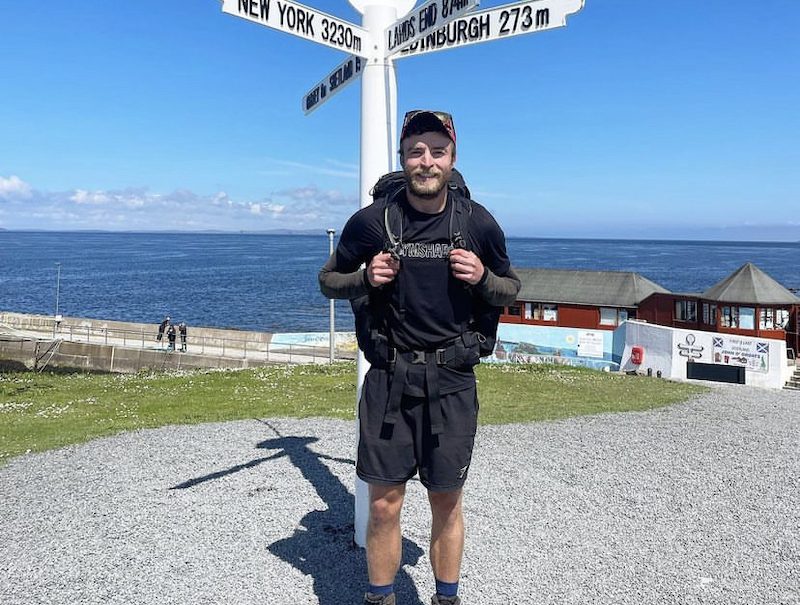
[(637, 355)]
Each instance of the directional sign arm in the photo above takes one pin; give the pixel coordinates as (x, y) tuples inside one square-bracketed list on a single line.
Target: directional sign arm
[(300, 20), (422, 20), (342, 75), (505, 21)]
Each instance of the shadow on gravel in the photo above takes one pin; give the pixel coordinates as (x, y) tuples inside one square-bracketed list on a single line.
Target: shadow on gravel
[(322, 547)]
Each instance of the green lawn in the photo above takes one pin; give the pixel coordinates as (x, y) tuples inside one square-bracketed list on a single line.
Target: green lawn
[(45, 411)]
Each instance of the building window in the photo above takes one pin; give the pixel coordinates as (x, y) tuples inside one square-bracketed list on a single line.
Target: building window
[(514, 311), (686, 310), (612, 317), (709, 314), (747, 318), (729, 317), (541, 312), (774, 319), (549, 313)]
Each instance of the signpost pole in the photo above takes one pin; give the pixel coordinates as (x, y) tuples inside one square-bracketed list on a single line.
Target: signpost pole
[(378, 112)]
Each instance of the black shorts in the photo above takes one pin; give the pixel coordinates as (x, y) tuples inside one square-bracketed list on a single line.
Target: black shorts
[(392, 457)]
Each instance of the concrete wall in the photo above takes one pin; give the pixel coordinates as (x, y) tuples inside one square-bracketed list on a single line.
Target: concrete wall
[(197, 336), (116, 346), (528, 343), (34, 354), (668, 350)]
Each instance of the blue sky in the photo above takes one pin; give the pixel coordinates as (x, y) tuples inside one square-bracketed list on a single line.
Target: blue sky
[(674, 120)]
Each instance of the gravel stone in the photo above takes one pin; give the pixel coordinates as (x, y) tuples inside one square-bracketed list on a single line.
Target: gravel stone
[(697, 503)]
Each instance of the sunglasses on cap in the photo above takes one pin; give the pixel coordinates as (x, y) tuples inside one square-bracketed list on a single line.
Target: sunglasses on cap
[(424, 120)]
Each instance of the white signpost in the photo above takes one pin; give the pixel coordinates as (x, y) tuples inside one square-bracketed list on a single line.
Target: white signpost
[(387, 31)]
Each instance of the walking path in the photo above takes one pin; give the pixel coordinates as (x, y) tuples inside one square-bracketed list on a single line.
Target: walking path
[(697, 503)]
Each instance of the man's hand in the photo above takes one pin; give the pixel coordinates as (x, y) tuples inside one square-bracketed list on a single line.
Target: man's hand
[(466, 266), (382, 269)]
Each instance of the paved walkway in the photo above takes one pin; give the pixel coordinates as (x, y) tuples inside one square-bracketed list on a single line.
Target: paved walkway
[(694, 504)]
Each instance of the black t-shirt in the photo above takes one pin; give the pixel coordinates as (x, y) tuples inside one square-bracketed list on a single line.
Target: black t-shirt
[(425, 305)]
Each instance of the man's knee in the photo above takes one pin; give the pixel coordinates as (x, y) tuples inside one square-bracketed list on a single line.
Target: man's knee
[(445, 505), (385, 504)]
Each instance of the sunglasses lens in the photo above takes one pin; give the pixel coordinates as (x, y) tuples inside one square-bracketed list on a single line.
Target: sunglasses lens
[(444, 118)]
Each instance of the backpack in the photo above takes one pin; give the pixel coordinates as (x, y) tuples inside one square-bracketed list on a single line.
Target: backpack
[(370, 322), (390, 185)]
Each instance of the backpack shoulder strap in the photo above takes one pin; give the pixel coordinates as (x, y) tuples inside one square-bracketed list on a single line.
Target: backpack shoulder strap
[(460, 214)]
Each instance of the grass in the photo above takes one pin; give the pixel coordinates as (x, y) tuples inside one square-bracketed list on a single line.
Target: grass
[(44, 411)]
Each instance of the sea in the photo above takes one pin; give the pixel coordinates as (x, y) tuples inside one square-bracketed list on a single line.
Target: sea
[(269, 282)]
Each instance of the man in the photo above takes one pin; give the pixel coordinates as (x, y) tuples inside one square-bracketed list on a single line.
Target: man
[(418, 410), (161, 328), (182, 331), (171, 336)]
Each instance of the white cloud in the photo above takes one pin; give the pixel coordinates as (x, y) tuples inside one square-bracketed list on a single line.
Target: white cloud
[(14, 187), (82, 196), (339, 169), (141, 209), (320, 197)]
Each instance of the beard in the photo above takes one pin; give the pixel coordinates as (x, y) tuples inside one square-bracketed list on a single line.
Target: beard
[(431, 185)]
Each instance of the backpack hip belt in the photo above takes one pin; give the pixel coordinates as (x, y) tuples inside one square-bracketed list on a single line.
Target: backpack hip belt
[(460, 352)]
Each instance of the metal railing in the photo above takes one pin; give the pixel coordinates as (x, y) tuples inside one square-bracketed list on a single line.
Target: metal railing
[(239, 348)]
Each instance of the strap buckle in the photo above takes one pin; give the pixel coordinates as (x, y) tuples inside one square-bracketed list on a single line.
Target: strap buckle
[(418, 357)]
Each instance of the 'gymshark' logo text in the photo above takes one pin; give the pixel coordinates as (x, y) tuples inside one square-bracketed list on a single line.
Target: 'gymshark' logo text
[(425, 250)]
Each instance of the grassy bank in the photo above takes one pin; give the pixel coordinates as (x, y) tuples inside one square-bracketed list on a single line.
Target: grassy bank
[(44, 411)]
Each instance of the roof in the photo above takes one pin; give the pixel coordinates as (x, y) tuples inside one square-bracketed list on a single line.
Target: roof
[(596, 288), (750, 285)]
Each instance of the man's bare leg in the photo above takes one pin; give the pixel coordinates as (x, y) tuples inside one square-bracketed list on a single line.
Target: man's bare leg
[(447, 534), (384, 540)]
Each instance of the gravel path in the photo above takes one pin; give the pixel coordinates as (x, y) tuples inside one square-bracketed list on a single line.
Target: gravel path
[(695, 503)]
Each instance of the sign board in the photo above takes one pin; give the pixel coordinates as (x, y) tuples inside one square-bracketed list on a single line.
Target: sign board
[(427, 18), (590, 344), (744, 352), (494, 24), (347, 72), (308, 23)]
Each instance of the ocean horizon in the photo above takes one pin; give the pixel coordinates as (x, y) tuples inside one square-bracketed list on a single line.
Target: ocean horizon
[(323, 233), (268, 281)]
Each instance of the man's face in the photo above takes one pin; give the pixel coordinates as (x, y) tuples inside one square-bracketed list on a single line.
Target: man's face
[(428, 161)]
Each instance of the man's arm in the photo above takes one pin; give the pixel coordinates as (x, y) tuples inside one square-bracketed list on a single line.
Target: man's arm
[(335, 284), (499, 290), (381, 270)]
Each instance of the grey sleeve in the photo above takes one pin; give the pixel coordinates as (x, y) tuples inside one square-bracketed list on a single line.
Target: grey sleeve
[(499, 290), (334, 284)]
